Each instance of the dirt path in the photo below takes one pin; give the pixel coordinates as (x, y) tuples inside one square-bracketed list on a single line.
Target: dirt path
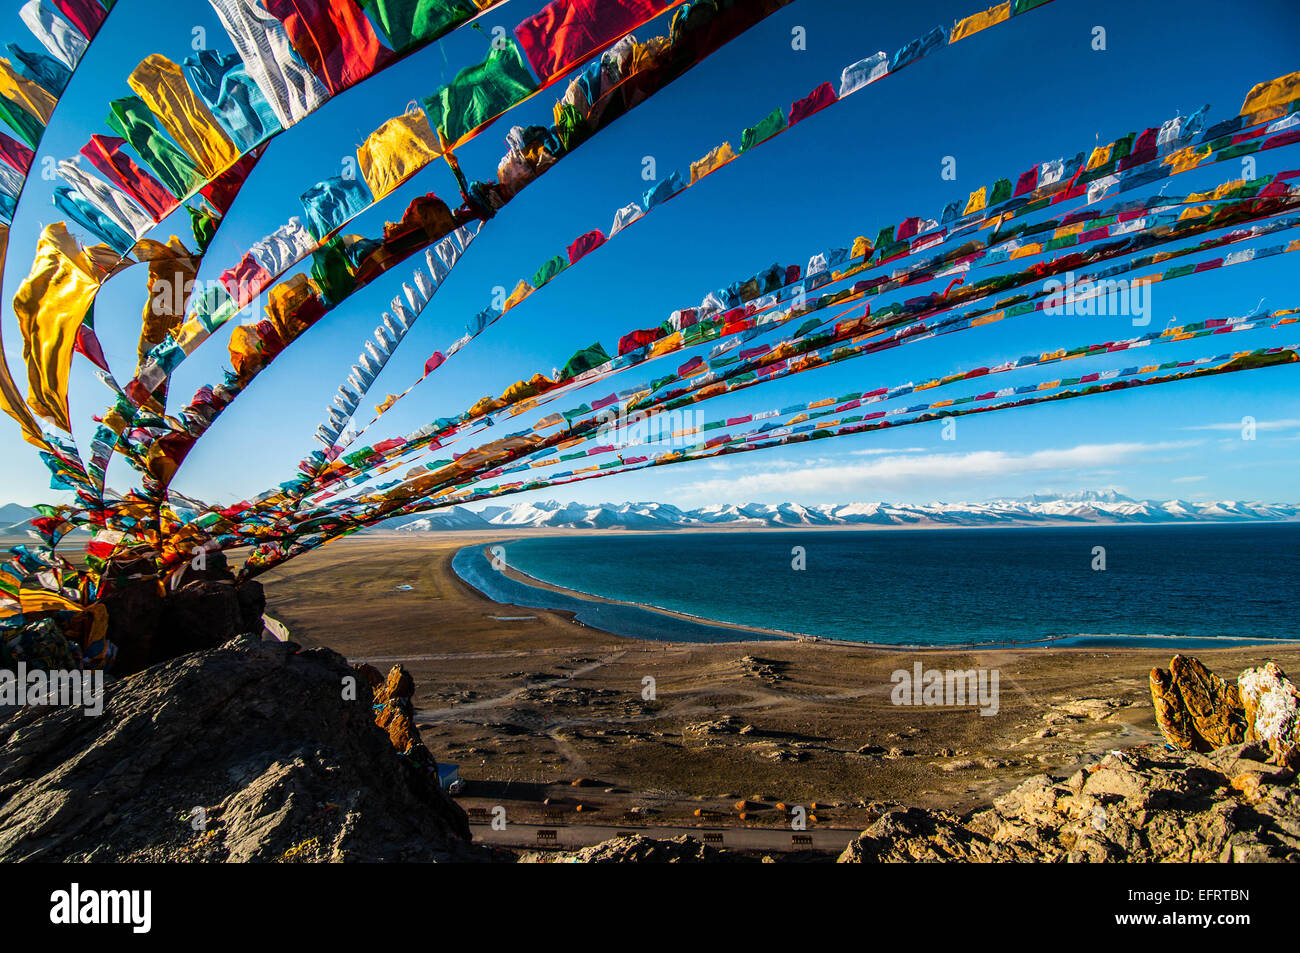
[(423, 717)]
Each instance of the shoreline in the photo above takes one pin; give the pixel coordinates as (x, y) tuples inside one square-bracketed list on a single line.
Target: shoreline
[(543, 715), (535, 583), (1082, 640), (637, 612)]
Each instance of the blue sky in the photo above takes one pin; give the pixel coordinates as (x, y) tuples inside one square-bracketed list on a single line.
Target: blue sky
[(1030, 90)]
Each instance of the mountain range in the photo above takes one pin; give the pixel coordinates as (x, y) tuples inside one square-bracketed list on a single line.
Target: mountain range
[(11, 513), (1089, 506), (14, 519), (1106, 506)]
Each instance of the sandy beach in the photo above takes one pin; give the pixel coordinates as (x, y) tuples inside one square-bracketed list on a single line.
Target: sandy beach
[(551, 718)]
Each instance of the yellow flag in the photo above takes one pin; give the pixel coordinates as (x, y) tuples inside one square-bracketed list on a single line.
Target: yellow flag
[(159, 82), (172, 270), (1100, 156), (397, 150), (1275, 92), (980, 21), (522, 291), (50, 306), (712, 162), (11, 398), (39, 600), (35, 99)]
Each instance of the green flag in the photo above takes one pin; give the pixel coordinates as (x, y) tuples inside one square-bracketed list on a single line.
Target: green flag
[(480, 93)]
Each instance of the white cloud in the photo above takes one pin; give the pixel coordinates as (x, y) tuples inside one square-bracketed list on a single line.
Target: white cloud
[(730, 466), (879, 451), (1290, 423), (1187, 479), (905, 470)]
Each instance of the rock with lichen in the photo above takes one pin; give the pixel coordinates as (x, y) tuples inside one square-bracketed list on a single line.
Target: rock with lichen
[(1195, 708), (1272, 707), (1172, 717)]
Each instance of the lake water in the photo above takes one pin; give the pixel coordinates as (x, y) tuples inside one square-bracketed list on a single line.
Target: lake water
[(923, 587)]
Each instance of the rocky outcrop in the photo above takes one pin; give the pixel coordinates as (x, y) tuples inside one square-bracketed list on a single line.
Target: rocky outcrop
[(1197, 710), (145, 621), (1145, 804), (1172, 717), (636, 849), (1272, 706), (254, 751), (396, 715)]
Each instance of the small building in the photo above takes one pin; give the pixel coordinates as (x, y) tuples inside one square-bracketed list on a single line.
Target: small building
[(449, 777)]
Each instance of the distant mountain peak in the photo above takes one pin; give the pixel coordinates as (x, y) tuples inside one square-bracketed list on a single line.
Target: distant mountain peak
[(1080, 496)]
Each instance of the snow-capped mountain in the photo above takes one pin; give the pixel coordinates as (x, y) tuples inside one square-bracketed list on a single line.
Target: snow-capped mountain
[(1081, 496), (1039, 509)]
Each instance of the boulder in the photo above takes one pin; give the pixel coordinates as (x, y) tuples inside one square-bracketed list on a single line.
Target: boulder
[(149, 625), (1214, 704), (1272, 708), (204, 614), (134, 613), (251, 598), (1195, 709)]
